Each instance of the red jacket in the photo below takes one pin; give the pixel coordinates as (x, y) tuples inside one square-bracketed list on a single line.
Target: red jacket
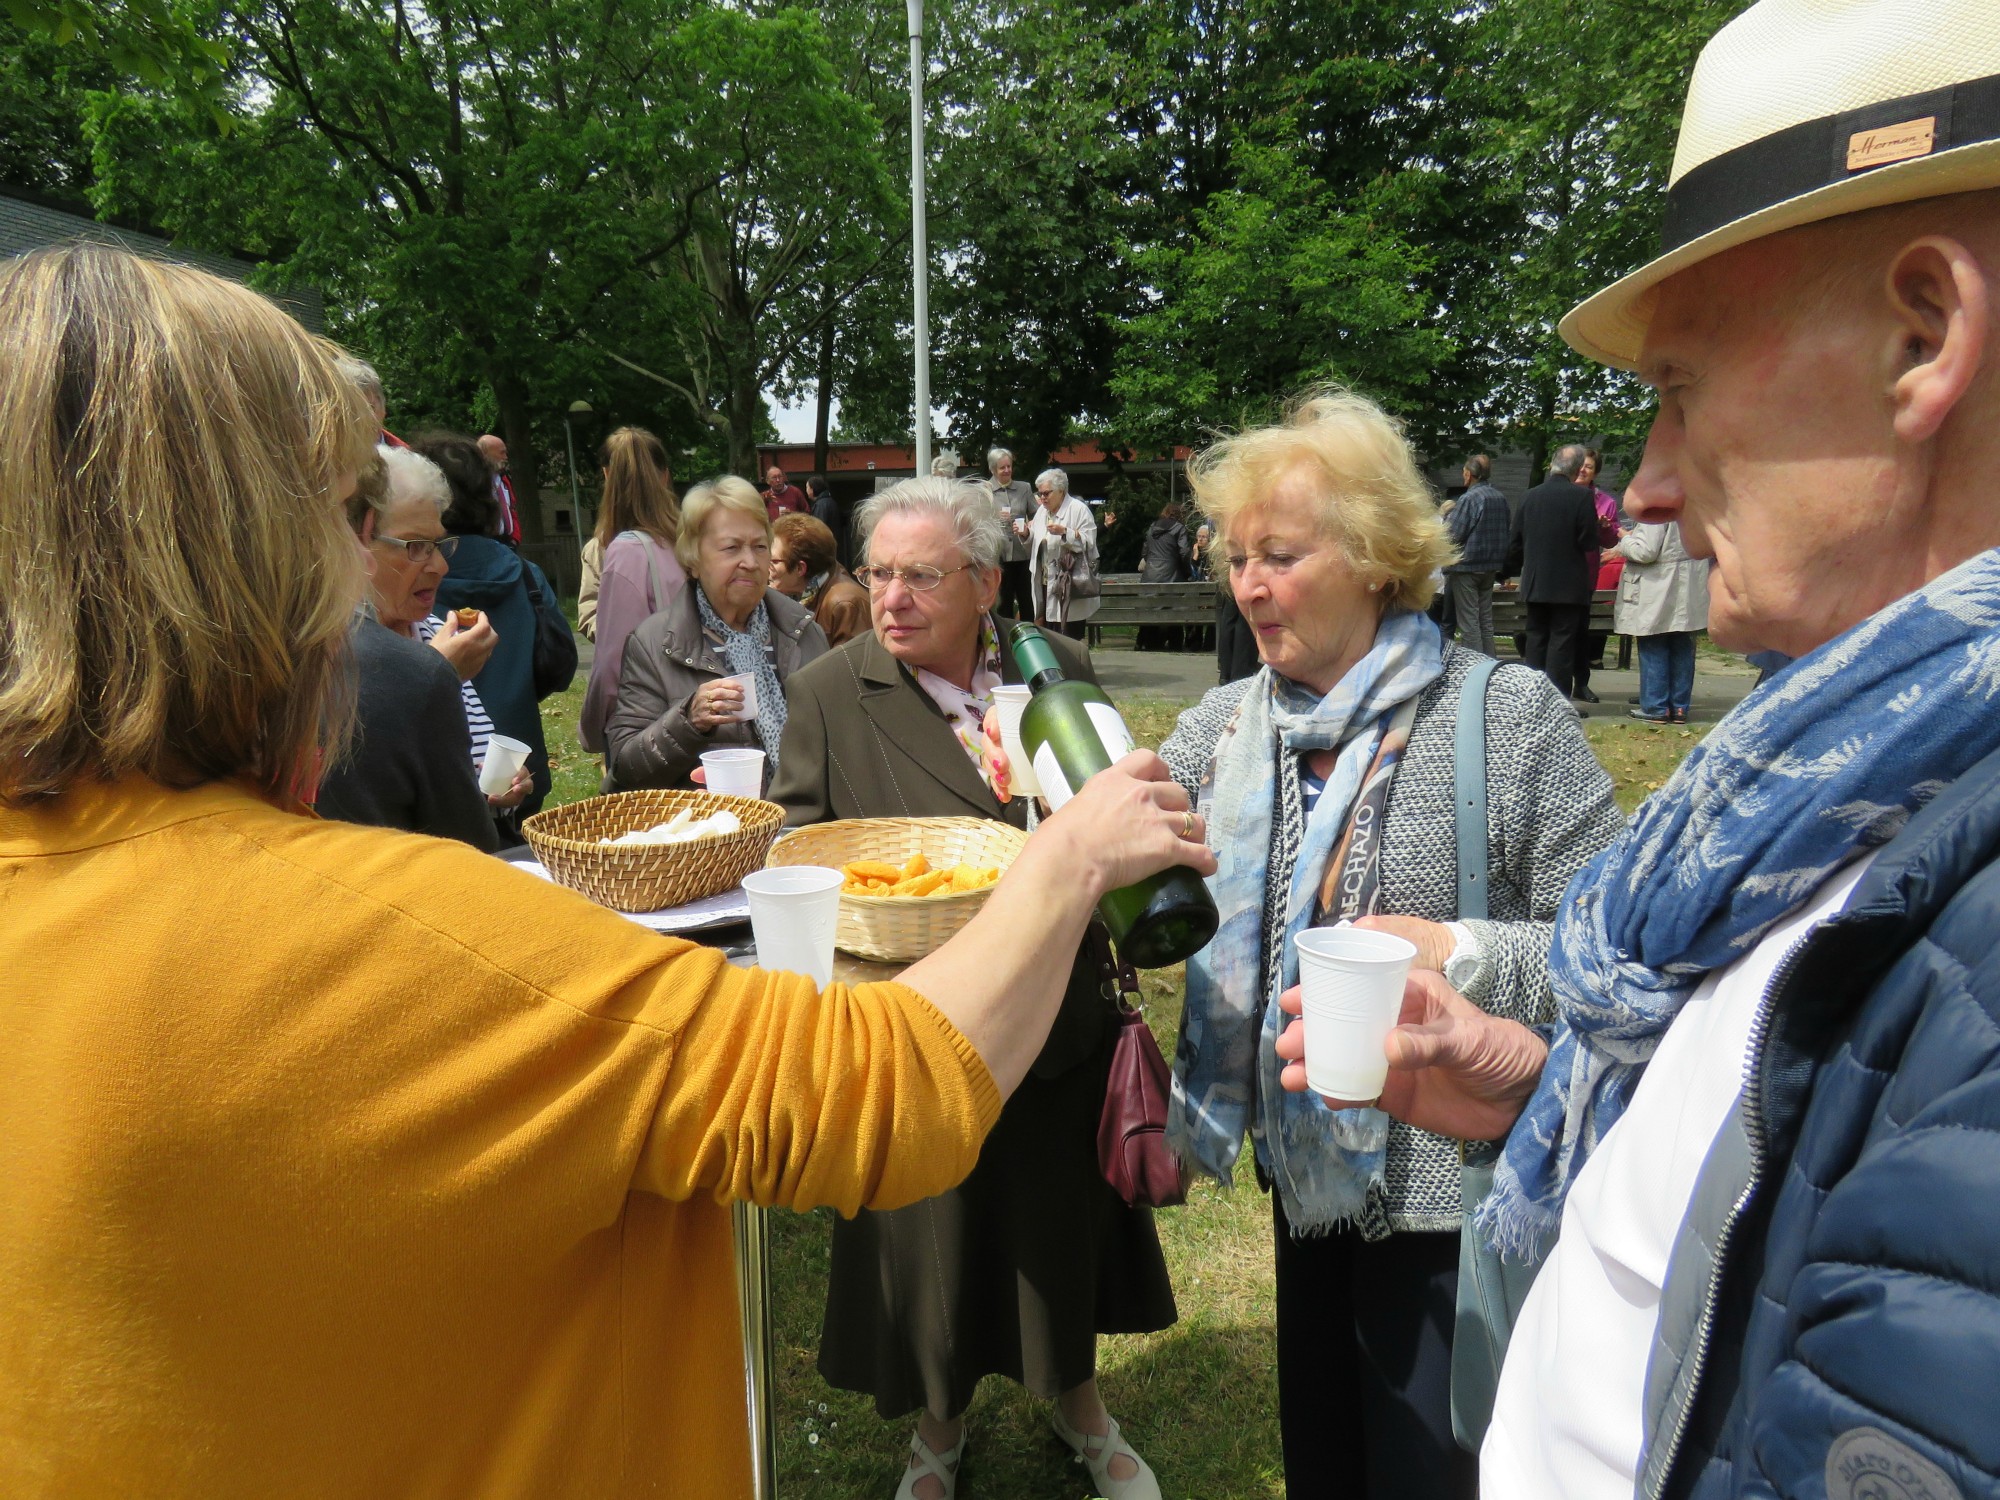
[(790, 498)]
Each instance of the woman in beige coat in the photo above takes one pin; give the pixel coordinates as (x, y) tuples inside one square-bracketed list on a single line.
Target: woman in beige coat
[(1663, 600)]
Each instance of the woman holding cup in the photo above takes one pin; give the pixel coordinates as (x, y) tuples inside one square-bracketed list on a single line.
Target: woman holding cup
[(1328, 781), (707, 673), (409, 555)]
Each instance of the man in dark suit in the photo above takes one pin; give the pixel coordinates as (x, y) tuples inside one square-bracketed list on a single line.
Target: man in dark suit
[(1548, 547)]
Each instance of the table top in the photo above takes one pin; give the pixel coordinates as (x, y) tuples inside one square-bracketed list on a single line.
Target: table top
[(847, 969)]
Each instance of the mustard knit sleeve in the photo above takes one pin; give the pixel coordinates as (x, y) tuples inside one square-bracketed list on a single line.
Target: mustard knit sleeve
[(863, 1097)]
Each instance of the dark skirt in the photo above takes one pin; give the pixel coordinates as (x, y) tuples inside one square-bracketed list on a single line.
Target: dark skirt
[(1014, 1272)]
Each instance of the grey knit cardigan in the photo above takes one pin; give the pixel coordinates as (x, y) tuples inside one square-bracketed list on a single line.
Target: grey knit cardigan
[(1549, 809)]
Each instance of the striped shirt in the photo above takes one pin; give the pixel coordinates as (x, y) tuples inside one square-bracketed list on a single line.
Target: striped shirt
[(475, 711)]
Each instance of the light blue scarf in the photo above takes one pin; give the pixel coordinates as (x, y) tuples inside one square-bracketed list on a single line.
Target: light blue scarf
[(1324, 1162), (749, 650), (1823, 762)]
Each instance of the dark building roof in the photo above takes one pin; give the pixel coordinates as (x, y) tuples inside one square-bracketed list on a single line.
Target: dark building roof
[(31, 222)]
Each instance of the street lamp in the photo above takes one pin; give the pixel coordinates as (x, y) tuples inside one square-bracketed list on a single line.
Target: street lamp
[(576, 409), (919, 238)]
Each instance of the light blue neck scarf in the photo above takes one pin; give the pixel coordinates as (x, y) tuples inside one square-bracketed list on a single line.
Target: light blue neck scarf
[(749, 650), (1323, 1162), (1823, 762)]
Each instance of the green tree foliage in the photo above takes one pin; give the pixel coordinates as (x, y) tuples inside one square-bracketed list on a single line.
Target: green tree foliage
[(1147, 220)]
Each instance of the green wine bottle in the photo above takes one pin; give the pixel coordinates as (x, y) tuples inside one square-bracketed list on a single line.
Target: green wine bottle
[(1071, 732)]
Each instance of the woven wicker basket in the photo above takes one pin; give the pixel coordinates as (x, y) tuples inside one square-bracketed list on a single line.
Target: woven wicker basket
[(901, 929), (649, 877)]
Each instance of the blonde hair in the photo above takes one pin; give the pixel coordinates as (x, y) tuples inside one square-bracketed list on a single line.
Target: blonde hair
[(726, 493), (1374, 502), (177, 581), (638, 492)]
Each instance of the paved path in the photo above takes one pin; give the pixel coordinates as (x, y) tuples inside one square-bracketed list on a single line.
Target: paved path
[(1126, 673)]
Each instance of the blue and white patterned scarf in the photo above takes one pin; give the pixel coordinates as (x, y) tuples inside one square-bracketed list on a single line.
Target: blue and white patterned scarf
[(749, 650), (1825, 761), (1323, 1161)]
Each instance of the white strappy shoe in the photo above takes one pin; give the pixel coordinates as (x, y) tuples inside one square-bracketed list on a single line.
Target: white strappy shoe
[(1097, 1453), (924, 1461)]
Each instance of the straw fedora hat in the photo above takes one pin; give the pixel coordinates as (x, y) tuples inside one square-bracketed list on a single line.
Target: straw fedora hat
[(1801, 110)]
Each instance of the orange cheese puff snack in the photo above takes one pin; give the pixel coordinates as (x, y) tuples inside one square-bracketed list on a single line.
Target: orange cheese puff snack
[(918, 865), (872, 869), (920, 885)]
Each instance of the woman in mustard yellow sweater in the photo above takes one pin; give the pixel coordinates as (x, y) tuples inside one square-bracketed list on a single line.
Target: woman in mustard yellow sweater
[(339, 1161)]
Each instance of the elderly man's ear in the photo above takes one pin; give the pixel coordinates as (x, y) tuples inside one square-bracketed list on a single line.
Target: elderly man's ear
[(1940, 298)]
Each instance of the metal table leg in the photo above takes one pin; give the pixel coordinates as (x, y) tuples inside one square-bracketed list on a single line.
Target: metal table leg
[(753, 1292)]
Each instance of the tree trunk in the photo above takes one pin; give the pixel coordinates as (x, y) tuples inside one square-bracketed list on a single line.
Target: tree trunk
[(1538, 452), (524, 460), (824, 373), (745, 401)]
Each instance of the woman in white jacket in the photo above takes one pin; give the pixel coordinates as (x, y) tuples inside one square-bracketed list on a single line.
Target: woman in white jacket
[(1663, 600), (1062, 556)]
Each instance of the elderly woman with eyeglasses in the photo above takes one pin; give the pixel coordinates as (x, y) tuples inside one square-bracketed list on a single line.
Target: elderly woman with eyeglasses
[(409, 555), (1018, 1270), (1062, 557)]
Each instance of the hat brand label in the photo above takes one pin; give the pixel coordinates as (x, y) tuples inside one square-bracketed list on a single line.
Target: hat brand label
[(1891, 143)]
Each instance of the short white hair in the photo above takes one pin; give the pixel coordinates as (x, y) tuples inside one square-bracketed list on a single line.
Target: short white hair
[(966, 508), (1055, 478), (945, 465), (411, 476), (994, 455), (359, 374)]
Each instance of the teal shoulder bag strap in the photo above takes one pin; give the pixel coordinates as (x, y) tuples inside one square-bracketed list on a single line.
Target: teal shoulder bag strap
[(1490, 1290)]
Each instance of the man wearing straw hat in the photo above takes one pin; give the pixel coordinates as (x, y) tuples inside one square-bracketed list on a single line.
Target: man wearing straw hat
[(1764, 1138)]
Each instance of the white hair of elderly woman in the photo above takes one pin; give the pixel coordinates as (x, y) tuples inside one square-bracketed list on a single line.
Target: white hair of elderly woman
[(1055, 479), (412, 477), (966, 508), (945, 465), (997, 455)]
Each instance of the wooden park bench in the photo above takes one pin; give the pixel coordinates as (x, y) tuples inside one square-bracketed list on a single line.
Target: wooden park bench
[(1510, 621), (1126, 601)]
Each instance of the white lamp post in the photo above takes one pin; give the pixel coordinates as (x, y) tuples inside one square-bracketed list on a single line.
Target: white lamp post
[(919, 239)]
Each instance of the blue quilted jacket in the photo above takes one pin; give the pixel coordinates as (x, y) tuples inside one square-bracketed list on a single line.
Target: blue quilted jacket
[(1831, 1319)]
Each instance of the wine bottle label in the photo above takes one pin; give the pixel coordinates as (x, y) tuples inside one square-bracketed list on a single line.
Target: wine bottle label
[(1111, 733), (1049, 772), (1110, 729)]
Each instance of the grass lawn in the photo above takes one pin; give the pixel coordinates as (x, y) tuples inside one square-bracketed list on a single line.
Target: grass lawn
[(1200, 1400)]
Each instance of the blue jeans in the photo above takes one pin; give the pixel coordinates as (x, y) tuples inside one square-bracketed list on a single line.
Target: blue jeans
[(1666, 673)]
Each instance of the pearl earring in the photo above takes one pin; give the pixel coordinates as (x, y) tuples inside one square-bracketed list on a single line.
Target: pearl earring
[(1374, 588)]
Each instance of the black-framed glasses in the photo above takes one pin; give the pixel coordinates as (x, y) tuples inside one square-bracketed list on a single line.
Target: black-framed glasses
[(921, 577), (417, 550)]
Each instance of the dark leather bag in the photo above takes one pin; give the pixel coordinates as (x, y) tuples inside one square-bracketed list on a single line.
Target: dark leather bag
[(1132, 1130), (555, 647)]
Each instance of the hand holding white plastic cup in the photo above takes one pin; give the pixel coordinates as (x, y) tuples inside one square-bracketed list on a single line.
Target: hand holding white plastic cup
[(503, 758), (1010, 702), (748, 682), (793, 909), (734, 773), (1351, 991)]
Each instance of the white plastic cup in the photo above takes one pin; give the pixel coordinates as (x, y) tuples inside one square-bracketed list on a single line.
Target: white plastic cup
[(503, 758), (1012, 701), (734, 773), (748, 682), (793, 909), (1351, 983)]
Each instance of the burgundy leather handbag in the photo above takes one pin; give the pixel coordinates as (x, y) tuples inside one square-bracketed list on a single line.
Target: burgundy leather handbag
[(1132, 1130)]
